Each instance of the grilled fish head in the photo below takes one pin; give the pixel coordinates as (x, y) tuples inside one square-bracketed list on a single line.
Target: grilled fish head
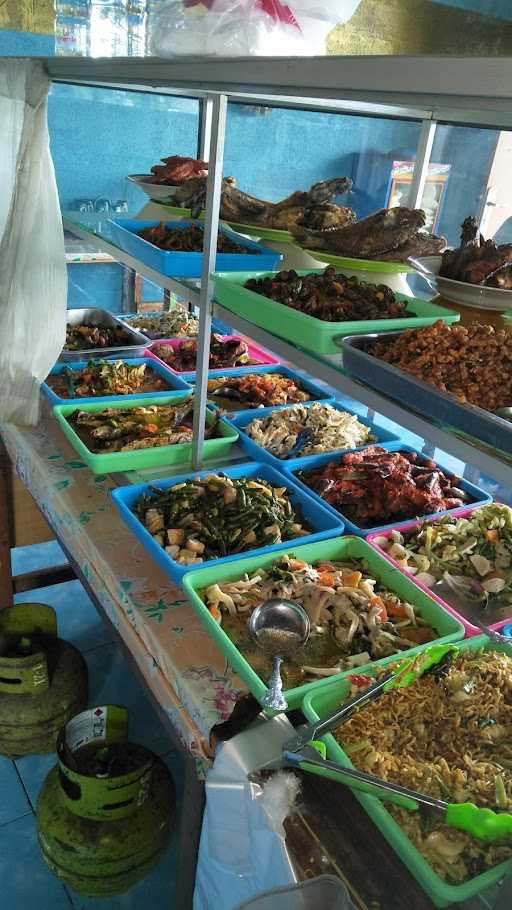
[(326, 217), (192, 195), (386, 230), (325, 190)]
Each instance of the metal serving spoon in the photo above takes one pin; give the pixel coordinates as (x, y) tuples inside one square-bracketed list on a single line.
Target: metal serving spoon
[(473, 610), (278, 627)]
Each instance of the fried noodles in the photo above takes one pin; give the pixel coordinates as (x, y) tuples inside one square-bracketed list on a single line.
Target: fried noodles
[(449, 736)]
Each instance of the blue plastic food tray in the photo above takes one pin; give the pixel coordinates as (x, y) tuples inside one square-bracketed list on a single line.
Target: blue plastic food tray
[(175, 382), (308, 385), (383, 437), (479, 497), (420, 396), (190, 265), (325, 522)]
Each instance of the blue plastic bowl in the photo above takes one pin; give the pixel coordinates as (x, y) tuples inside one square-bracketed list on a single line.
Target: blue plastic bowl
[(478, 496), (325, 524), (125, 232), (241, 420), (175, 382)]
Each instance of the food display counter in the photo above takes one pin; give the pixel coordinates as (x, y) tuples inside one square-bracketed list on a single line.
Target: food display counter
[(177, 518), (187, 676)]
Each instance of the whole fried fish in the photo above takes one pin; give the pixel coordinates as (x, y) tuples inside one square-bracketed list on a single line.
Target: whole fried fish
[(419, 244), (313, 208), (390, 233)]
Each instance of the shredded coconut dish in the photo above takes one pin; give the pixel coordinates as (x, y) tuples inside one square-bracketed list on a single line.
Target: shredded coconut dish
[(300, 431)]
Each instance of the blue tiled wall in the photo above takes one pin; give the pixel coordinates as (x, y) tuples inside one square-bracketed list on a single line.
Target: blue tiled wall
[(99, 136), (470, 153), (273, 154), (88, 285), (499, 9), (14, 44)]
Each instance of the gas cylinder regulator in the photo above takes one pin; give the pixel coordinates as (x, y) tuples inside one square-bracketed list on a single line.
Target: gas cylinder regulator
[(105, 812), (43, 680)]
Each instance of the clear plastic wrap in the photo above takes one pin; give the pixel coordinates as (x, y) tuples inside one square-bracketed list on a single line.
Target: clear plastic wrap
[(243, 28), (33, 280)]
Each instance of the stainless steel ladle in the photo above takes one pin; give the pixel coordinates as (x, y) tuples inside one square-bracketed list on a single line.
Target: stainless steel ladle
[(278, 627)]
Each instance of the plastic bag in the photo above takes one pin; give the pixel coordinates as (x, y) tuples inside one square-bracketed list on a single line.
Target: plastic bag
[(244, 28), (33, 280), (243, 850), (326, 892)]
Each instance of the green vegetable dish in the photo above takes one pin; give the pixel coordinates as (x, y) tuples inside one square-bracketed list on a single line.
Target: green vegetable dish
[(472, 554), (217, 516)]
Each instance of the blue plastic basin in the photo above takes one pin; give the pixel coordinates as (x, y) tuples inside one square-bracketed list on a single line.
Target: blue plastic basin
[(322, 520)]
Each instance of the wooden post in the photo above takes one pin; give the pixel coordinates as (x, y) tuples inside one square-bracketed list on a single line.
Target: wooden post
[(6, 529)]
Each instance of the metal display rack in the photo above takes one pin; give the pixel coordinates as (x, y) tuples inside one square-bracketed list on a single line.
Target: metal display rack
[(470, 91)]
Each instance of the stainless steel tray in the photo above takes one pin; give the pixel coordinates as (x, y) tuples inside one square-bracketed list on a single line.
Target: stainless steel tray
[(92, 316), (418, 395)]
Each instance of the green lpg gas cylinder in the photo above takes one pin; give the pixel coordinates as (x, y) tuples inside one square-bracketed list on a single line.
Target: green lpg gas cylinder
[(43, 680), (105, 812)]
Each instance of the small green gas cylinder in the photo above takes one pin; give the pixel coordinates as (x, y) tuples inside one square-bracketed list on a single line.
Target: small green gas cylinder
[(43, 680), (105, 812)]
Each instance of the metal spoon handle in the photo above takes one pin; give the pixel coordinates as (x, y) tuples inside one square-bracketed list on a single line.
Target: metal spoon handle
[(494, 636), (274, 699), (314, 730), (366, 783), (358, 701)]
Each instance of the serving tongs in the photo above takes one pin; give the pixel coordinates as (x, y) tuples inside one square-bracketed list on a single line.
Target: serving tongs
[(305, 752)]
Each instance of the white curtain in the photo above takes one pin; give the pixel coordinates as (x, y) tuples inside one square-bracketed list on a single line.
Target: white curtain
[(33, 279)]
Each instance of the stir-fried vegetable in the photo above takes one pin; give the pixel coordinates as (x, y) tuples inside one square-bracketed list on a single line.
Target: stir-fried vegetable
[(300, 431), (257, 390), (354, 619), (106, 377), (214, 517), (174, 323), (447, 735), (472, 553), (127, 429)]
